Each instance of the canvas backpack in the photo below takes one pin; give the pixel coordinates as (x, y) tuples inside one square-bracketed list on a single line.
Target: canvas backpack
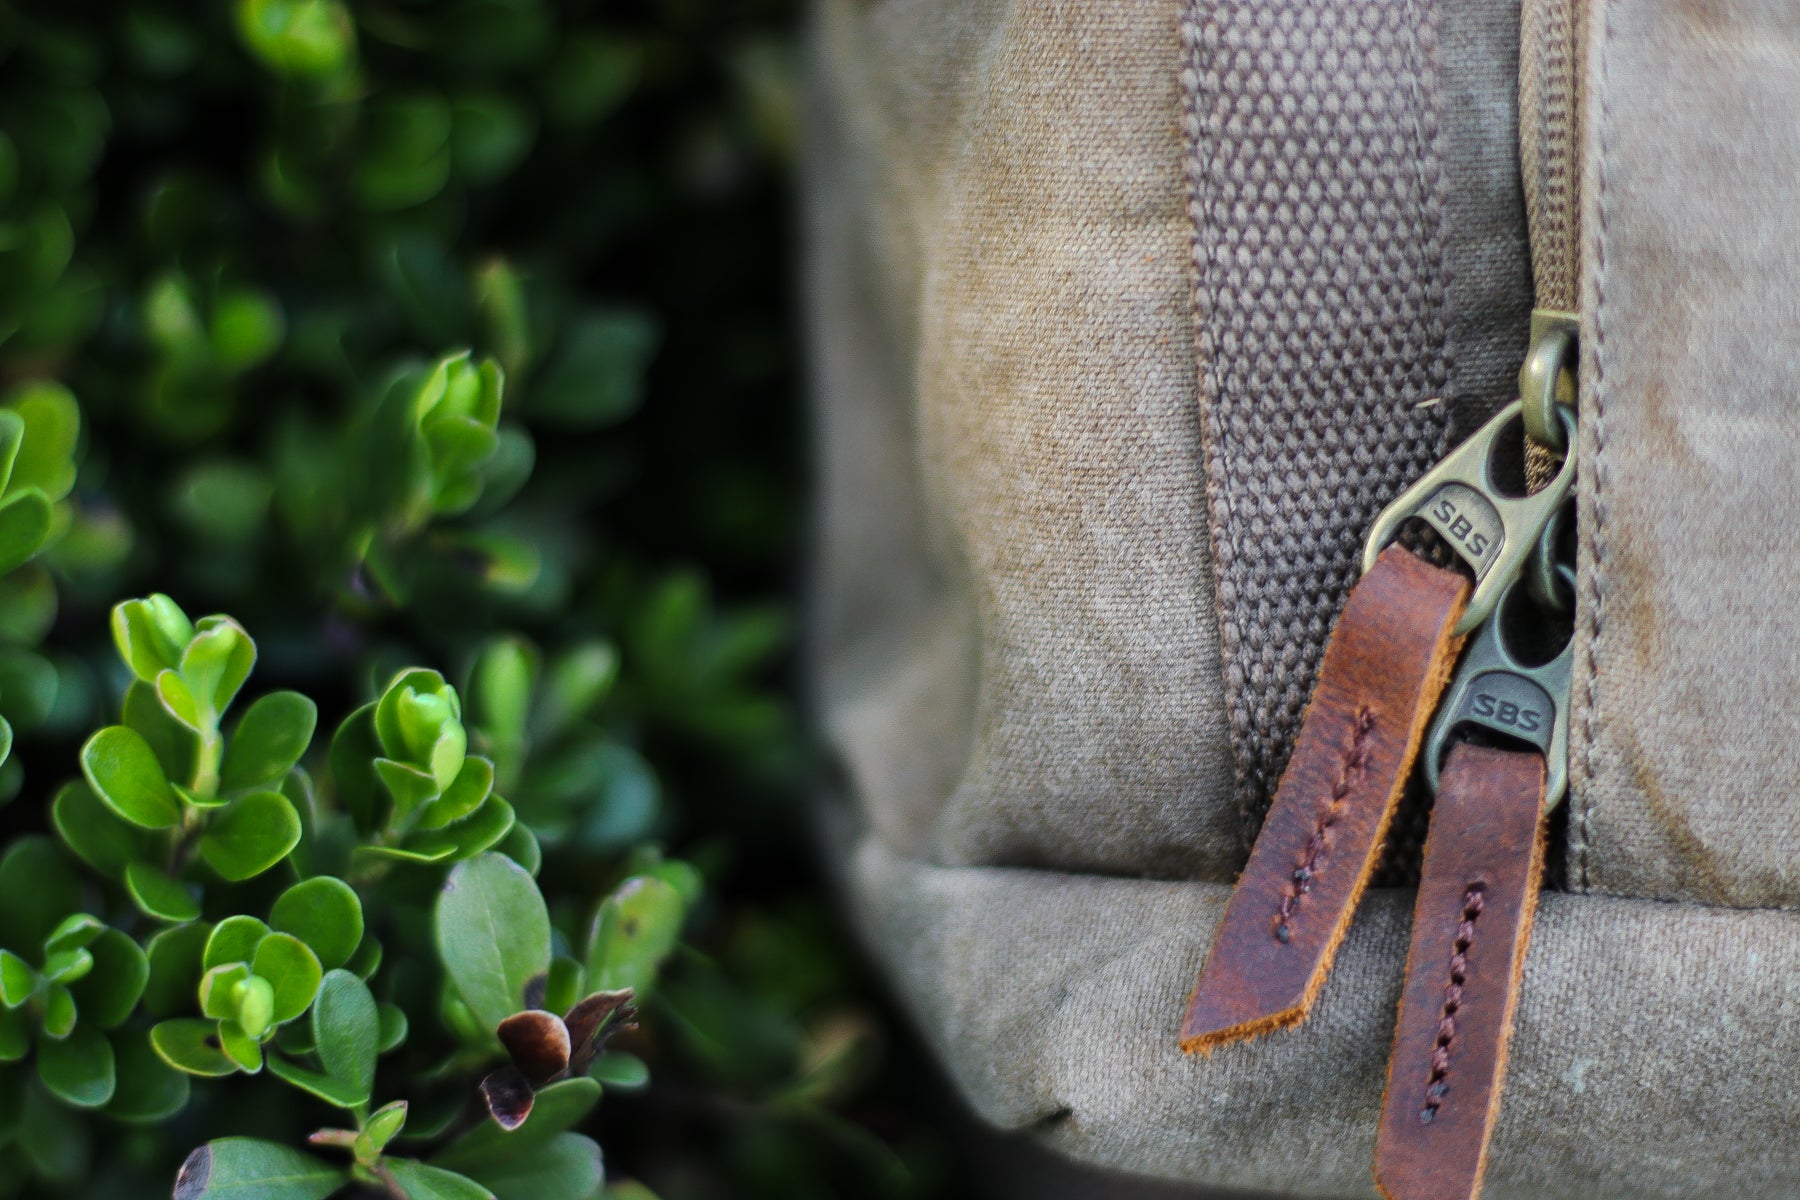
[(1130, 320)]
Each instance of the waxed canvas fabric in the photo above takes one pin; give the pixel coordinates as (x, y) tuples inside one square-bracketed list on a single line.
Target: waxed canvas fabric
[(1015, 646), (1686, 771)]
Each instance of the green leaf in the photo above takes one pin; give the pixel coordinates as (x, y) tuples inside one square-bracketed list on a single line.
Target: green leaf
[(466, 793), (59, 1011), (636, 928), (326, 1087), (233, 940), (617, 1069), (406, 160), (424, 1182), (178, 700), (325, 914), (241, 1046), (272, 736), (253, 1010), (493, 935), (54, 1141), (220, 988), (347, 1032), (246, 328), (12, 436), (354, 749), (252, 1169), (125, 774), (484, 830), (38, 887), (500, 691), (177, 747), (17, 980), (175, 968), (558, 1107), (384, 1123), (292, 968), (217, 661), (67, 966), (74, 932), (191, 1045), (149, 1089), (150, 634), (408, 786), (393, 1026), (110, 992), (158, 896), (419, 722), (46, 454), (595, 377), (489, 134), (24, 527), (79, 1069), (251, 836), (567, 1165)]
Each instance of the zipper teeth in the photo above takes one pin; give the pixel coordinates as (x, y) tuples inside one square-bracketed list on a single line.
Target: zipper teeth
[(1549, 112)]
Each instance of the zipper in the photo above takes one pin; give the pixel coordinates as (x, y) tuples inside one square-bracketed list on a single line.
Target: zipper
[(1483, 862), (1494, 738)]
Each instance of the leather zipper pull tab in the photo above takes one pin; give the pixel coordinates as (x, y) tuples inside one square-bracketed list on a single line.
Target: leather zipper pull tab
[(1386, 663), (1478, 891)]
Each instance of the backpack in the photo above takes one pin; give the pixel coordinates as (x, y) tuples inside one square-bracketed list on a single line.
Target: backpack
[(1130, 321)]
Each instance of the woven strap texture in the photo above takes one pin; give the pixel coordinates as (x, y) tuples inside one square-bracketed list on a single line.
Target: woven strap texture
[(1323, 292)]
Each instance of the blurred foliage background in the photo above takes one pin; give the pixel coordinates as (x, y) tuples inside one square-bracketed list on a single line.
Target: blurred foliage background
[(223, 229)]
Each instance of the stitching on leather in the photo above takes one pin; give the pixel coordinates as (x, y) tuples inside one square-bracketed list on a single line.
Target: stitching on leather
[(1437, 1082), (1591, 673), (1350, 768)]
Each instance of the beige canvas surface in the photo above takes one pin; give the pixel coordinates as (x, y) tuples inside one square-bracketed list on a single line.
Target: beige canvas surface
[(1687, 769), (1015, 657)]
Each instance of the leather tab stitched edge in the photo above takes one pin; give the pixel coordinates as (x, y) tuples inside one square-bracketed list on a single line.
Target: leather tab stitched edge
[(1478, 891), (1386, 664)]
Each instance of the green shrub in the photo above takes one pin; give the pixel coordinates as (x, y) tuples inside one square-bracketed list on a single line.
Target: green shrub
[(340, 318)]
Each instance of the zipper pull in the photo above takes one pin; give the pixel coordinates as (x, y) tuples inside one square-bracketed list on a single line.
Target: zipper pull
[(1490, 530), (1478, 891), (1385, 666)]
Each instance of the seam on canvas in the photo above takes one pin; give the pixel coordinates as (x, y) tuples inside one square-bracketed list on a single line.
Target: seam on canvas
[(1215, 466), (1428, 171), (1596, 593)]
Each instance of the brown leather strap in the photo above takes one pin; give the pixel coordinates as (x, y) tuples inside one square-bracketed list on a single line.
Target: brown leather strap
[(1386, 663), (1478, 889)]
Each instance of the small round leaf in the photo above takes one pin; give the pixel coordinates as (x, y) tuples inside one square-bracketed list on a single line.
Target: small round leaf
[(149, 1089), (233, 940), (191, 1045), (347, 1032), (111, 990), (272, 736), (292, 969), (325, 913), (78, 1070), (158, 896), (125, 774), (251, 836)]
